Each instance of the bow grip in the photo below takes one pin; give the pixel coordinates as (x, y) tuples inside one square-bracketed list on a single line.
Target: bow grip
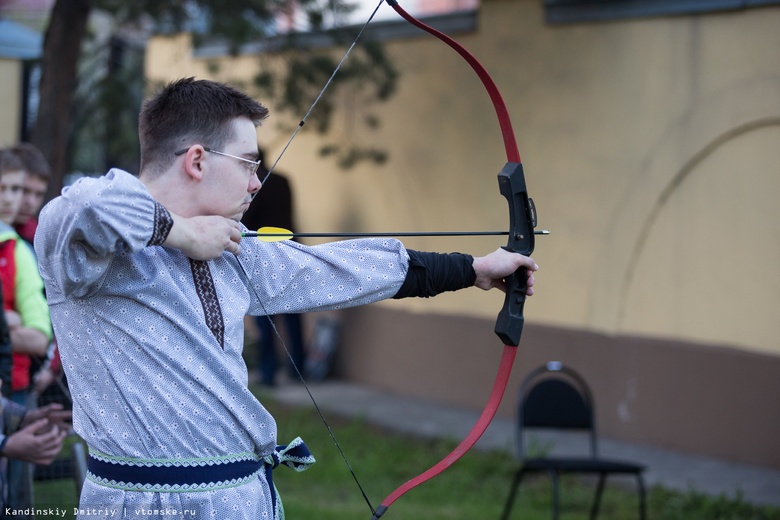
[(522, 220)]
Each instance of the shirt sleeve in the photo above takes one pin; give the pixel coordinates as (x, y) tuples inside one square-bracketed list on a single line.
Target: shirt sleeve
[(13, 414), (6, 354), (81, 231), (29, 299), (289, 277)]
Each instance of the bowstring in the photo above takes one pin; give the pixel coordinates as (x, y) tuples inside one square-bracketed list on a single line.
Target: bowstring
[(322, 91), (298, 372)]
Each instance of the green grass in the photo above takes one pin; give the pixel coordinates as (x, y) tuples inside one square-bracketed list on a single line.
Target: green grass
[(473, 489)]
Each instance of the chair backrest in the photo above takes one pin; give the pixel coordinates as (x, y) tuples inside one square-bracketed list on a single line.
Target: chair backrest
[(555, 397)]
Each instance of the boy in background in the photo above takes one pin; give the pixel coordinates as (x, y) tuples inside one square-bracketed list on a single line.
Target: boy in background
[(36, 181), (25, 311), (25, 306)]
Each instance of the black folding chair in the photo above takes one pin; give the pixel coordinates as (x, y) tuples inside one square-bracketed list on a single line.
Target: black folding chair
[(555, 397)]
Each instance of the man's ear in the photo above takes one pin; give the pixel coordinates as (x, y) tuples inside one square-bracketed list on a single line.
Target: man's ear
[(194, 162)]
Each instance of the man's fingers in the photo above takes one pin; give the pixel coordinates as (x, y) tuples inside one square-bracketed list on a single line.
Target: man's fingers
[(49, 446), (61, 416), (45, 410), (235, 233), (235, 240), (48, 437), (37, 425), (529, 263)]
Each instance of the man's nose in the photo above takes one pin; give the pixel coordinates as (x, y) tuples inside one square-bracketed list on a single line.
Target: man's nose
[(255, 184)]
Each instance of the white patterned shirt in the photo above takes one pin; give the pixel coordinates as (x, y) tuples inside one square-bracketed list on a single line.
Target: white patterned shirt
[(151, 341)]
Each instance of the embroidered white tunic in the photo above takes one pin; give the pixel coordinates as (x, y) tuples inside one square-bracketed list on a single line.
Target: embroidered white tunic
[(151, 341)]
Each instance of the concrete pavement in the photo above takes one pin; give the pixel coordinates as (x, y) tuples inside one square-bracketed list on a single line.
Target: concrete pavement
[(423, 418)]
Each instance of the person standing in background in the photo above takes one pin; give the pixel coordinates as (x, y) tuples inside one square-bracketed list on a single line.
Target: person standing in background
[(273, 206), (25, 311), (36, 181), (25, 306)]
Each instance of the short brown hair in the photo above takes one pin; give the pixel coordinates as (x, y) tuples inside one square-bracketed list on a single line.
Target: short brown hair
[(10, 162), (188, 112), (33, 160)]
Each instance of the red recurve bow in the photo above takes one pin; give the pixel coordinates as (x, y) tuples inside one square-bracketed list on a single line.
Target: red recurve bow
[(522, 221), (522, 215)]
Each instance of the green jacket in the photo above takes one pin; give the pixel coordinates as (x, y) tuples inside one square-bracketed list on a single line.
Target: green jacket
[(29, 299)]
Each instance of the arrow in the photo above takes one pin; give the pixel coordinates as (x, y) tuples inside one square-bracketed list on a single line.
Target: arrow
[(275, 234)]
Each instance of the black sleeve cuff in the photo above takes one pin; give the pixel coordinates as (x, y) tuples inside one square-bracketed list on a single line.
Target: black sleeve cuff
[(433, 273)]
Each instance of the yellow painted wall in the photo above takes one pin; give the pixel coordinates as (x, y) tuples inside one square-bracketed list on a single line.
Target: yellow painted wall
[(650, 148), (10, 96)]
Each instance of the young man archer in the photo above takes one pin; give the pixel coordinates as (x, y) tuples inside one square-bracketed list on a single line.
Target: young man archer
[(148, 282)]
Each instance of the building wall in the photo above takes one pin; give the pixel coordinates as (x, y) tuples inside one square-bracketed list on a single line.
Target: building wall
[(10, 100), (713, 401), (650, 150)]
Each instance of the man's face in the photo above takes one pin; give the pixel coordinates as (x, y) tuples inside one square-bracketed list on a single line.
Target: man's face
[(32, 198), (228, 184), (11, 189)]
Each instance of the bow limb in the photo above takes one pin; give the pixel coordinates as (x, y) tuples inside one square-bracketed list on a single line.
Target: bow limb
[(509, 324), (499, 386), (507, 132)]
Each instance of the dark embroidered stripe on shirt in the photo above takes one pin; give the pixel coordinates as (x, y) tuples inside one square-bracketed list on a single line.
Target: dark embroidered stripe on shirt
[(207, 292), (163, 222)]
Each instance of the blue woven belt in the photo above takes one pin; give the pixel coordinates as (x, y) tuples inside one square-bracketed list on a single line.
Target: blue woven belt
[(174, 475), (204, 474)]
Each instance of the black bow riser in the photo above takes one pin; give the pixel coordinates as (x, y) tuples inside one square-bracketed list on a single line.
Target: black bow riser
[(522, 220)]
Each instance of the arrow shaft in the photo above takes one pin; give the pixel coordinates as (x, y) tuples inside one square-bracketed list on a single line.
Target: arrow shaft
[(250, 234)]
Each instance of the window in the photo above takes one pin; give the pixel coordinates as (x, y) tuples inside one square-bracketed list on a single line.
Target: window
[(567, 11)]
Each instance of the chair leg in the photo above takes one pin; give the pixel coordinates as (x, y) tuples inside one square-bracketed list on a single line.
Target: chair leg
[(554, 480), (594, 512), (510, 500), (642, 500)]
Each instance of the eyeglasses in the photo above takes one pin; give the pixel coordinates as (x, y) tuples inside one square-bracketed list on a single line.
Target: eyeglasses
[(252, 166)]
